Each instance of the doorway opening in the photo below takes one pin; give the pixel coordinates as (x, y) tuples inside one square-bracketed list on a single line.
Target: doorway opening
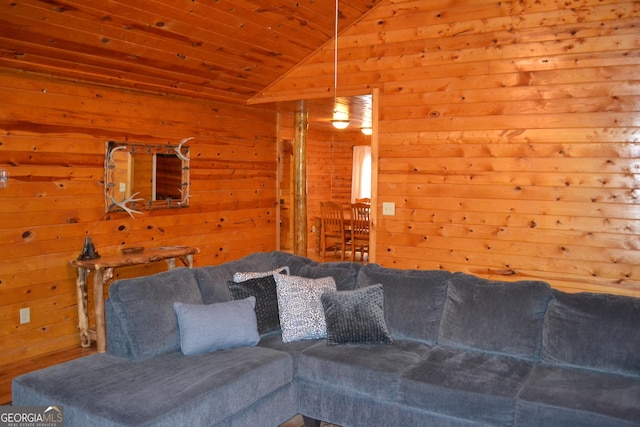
[(329, 162)]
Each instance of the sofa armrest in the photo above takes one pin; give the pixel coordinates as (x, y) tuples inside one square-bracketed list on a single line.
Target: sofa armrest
[(117, 342)]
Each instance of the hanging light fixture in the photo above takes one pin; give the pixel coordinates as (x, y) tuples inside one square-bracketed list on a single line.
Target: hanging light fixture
[(340, 119)]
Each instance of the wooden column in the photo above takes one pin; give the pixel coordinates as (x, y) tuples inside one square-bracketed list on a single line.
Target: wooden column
[(300, 183), (373, 232)]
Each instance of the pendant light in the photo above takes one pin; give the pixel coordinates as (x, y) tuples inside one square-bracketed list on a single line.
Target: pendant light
[(340, 119)]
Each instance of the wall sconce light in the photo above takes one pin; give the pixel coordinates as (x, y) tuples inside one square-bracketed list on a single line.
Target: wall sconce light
[(366, 130), (4, 178)]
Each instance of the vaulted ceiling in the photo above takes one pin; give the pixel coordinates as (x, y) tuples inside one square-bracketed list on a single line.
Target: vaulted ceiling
[(222, 50)]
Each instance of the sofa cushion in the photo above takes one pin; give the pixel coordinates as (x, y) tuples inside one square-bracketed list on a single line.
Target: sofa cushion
[(558, 396), (364, 369), (465, 384), (344, 273), (144, 309), (167, 390), (355, 317), (413, 299), (595, 331), (294, 348), (264, 291), (218, 326), (500, 317), (212, 279), (294, 262), (300, 307)]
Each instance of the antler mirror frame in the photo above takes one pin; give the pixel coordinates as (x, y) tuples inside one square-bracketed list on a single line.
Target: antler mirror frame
[(139, 177)]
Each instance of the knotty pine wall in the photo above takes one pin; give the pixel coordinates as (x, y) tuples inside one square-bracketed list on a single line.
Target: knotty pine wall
[(52, 142), (509, 135)]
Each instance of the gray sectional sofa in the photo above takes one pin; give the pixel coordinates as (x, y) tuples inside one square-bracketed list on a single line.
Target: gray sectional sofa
[(427, 348)]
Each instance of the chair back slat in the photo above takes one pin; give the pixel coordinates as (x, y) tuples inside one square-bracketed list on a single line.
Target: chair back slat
[(333, 218), (360, 224), (333, 231), (360, 219)]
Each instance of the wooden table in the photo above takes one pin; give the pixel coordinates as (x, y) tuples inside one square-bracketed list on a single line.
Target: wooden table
[(103, 272)]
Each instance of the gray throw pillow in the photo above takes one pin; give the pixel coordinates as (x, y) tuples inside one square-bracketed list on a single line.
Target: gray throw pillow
[(356, 317), (264, 291), (209, 327), (301, 312)]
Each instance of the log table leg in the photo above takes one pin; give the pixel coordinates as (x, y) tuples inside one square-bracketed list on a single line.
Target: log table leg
[(187, 260), (171, 263), (100, 277), (83, 313)]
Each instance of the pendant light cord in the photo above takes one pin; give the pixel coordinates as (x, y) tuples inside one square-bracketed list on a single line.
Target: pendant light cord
[(335, 61)]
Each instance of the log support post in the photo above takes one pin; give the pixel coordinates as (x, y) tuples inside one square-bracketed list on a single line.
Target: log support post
[(300, 183)]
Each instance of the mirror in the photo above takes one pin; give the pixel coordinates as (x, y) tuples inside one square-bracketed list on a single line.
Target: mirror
[(142, 177)]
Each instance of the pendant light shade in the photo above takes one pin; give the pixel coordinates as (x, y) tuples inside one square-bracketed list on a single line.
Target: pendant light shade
[(340, 123), (340, 119)]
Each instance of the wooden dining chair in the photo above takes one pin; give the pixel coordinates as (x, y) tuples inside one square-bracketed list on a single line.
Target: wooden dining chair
[(364, 200), (333, 230), (360, 223)]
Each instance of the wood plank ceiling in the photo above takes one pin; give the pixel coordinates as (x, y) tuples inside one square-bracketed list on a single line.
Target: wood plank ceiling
[(221, 50)]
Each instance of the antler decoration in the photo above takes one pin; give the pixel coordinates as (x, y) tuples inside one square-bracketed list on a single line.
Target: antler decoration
[(110, 162), (178, 149), (185, 195), (123, 204)]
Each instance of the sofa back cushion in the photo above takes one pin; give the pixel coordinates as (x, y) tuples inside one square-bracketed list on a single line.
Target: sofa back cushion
[(413, 299), (295, 262), (494, 316), (344, 273), (213, 279), (144, 309), (594, 331)]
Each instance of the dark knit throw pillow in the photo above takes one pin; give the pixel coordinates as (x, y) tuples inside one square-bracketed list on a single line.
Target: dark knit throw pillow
[(356, 317), (264, 289)]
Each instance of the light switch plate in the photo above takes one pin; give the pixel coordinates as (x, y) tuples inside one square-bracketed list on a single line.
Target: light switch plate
[(25, 315), (388, 208)]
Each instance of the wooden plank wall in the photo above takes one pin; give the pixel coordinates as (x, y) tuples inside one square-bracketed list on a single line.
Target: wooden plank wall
[(52, 143), (508, 135)]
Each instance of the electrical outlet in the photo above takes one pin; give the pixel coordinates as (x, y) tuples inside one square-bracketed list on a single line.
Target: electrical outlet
[(388, 208), (25, 315), (123, 187)]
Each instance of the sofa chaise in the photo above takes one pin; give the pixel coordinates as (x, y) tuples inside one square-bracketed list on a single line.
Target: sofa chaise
[(255, 341)]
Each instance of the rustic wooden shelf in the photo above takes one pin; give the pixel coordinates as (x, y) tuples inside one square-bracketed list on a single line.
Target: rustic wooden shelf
[(102, 269)]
